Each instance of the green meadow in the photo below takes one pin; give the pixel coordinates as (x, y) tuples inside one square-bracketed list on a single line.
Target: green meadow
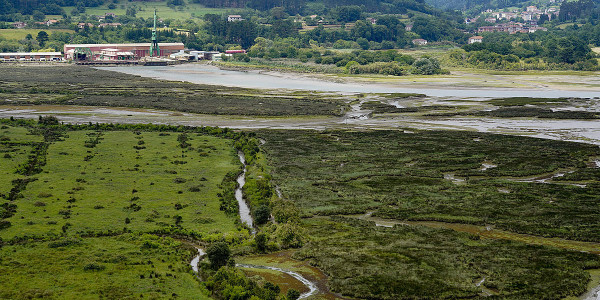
[(19, 34), (114, 185), (129, 266), (88, 213), (163, 11)]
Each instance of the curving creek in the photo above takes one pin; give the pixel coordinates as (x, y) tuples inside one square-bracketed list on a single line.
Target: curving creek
[(246, 218)]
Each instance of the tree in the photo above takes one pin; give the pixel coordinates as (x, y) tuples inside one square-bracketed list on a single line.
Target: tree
[(38, 16), (292, 294), (131, 11), (426, 66), (42, 37), (175, 2), (364, 43), (262, 214), (218, 254), (261, 242)]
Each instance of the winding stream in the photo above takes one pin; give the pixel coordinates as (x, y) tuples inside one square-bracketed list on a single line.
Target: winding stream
[(246, 218), (196, 259), (245, 215), (593, 294), (310, 285)]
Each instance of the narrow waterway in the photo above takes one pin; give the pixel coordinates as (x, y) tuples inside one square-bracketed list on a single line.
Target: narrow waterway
[(196, 259), (312, 287), (593, 294), (245, 215)]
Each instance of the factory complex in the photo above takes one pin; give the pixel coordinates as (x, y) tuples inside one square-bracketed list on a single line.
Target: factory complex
[(118, 52)]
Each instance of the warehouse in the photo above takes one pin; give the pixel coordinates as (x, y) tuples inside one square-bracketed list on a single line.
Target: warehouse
[(139, 50), (31, 56)]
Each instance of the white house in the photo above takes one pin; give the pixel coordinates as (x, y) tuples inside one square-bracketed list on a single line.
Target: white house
[(233, 18), (475, 39), (419, 42)]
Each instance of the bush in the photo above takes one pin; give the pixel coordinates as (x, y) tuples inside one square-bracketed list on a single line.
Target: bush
[(262, 214), (292, 294), (261, 242), (427, 66), (218, 254), (94, 267)]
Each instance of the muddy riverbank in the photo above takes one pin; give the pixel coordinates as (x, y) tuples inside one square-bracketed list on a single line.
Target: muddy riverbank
[(212, 75), (587, 131)]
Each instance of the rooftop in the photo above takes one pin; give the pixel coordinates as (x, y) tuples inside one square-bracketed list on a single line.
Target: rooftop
[(30, 53), (120, 45)]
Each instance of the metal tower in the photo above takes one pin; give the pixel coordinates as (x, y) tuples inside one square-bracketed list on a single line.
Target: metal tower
[(154, 50)]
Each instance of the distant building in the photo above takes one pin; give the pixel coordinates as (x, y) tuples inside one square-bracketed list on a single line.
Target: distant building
[(475, 39), (139, 50), (419, 42), (491, 20), (31, 56), (234, 18), (111, 54), (83, 25), (19, 25), (372, 20), (203, 55), (510, 28), (408, 27), (532, 8), (235, 51), (51, 22), (110, 25), (533, 29), (527, 16)]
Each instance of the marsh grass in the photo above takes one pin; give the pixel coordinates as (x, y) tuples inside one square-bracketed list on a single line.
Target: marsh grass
[(405, 262), (402, 176)]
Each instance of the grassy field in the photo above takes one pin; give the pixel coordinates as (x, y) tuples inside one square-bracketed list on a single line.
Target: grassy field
[(113, 185), (80, 85), (19, 34), (88, 213), (129, 266), (146, 10), (15, 143)]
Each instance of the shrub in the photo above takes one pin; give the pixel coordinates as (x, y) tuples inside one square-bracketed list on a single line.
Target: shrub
[(94, 267), (262, 214), (218, 254)]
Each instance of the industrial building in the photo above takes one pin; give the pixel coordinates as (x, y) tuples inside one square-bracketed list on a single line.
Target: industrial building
[(99, 51), (31, 56)]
